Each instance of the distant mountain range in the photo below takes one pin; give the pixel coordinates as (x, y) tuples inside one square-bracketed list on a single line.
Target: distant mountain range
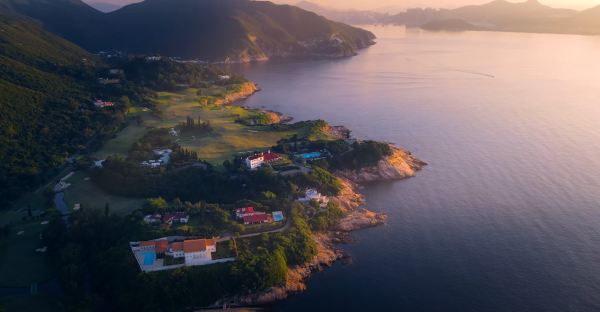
[(345, 16), (104, 7), (501, 15), (211, 30)]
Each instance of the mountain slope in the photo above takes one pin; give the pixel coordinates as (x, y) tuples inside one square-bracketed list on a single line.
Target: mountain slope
[(215, 30), (40, 121)]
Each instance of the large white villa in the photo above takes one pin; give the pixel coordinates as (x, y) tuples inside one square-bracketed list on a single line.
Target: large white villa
[(194, 251)]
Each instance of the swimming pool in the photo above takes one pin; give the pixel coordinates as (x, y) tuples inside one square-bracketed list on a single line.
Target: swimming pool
[(277, 216), (148, 258), (310, 155)]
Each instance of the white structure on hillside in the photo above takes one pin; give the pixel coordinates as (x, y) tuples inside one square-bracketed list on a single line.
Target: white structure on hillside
[(254, 161), (198, 250), (313, 194), (153, 58)]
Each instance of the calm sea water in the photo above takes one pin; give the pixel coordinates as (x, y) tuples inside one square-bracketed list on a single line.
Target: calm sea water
[(507, 215)]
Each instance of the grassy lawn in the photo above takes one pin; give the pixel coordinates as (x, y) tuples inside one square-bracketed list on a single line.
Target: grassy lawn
[(255, 228), (196, 222), (121, 144), (228, 139), (19, 262), (89, 195), (31, 303)]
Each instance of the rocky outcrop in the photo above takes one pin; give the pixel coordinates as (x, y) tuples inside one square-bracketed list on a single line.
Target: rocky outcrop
[(277, 117), (400, 165), (361, 218), (348, 199), (248, 89), (296, 275)]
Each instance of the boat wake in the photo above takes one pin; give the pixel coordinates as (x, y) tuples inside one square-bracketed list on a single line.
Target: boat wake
[(450, 69)]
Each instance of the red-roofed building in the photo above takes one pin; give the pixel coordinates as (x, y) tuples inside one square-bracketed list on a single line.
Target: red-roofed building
[(147, 245), (177, 250), (198, 250), (243, 212), (255, 161), (162, 246), (256, 218)]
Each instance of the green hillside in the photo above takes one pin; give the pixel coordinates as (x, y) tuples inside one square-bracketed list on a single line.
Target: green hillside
[(40, 117), (212, 30)]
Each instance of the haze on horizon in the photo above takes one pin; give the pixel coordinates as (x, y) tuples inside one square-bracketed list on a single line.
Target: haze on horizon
[(376, 4)]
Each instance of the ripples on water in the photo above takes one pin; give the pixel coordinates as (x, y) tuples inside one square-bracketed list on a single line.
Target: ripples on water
[(506, 217)]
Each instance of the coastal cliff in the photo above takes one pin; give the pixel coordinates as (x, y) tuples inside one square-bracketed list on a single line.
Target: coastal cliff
[(400, 165), (248, 89), (327, 254)]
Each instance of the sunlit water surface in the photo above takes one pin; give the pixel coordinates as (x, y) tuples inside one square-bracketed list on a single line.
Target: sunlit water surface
[(507, 215)]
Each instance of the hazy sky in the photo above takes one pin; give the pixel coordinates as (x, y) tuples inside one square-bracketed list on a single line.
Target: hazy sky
[(374, 4)]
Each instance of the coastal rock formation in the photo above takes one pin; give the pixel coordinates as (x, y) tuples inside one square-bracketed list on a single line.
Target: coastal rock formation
[(361, 218), (348, 199), (248, 89), (296, 275), (277, 117), (401, 164)]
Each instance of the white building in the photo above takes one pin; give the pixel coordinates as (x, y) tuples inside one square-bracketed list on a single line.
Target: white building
[(198, 250), (153, 58), (255, 161), (313, 194)]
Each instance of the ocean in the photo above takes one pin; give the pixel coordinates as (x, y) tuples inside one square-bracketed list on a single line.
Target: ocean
[(506, 217)]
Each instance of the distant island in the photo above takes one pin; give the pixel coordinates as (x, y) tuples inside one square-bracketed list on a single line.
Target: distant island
[(453, 24)]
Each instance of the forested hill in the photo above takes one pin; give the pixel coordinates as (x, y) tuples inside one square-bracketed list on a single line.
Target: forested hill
[(41, 116), (213, 30)]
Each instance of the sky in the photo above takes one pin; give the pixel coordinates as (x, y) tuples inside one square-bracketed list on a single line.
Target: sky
[(376, 4)]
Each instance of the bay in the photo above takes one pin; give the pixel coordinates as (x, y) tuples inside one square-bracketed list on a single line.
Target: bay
[(507, 215)]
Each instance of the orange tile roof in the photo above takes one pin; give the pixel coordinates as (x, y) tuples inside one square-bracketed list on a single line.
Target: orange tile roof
[(148, 243), (177, 247), (194, 245), (162, 245), (210, 242)]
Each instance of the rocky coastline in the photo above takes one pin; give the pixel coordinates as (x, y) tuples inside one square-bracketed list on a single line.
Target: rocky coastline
[(401, 164), (248, 88)]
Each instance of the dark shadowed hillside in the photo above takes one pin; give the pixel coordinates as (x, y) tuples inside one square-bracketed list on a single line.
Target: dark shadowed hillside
[(215, 30)]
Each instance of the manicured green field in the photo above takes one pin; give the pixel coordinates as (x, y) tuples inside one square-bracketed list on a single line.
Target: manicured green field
[(31, 303), (121, 144), (86, 193), (19, 262), (228, 139)]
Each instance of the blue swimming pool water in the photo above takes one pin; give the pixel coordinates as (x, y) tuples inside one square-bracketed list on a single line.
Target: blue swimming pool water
[(148, 258), (277, 217), (310, 155)]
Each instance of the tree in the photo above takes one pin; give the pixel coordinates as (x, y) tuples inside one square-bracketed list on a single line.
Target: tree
[(153, 205), (49, 197), (268, 195), (106, 209), (29, 210)]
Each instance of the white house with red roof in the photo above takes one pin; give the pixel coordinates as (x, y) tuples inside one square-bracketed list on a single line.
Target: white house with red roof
[(257, 160), (243, 212), (198, 250), (256, 219)]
